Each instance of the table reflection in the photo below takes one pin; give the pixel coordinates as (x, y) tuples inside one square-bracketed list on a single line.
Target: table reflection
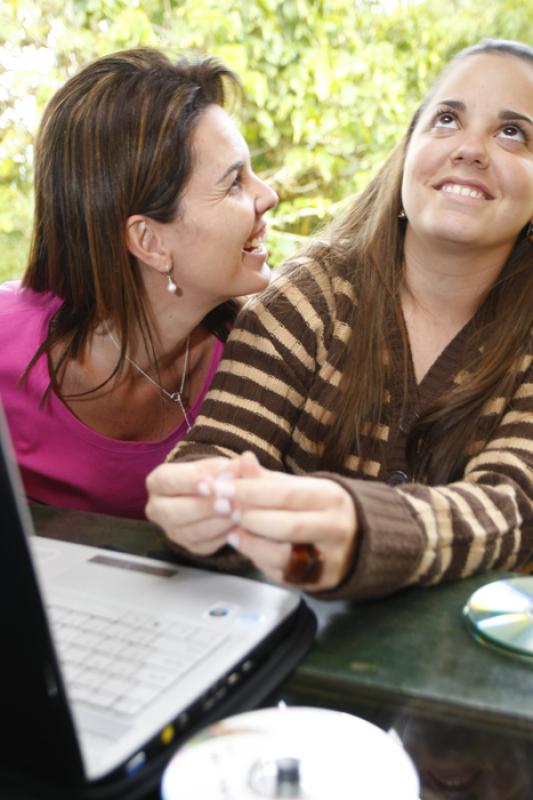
[(456, 762)]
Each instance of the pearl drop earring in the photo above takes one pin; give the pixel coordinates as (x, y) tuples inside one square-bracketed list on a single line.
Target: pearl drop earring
[(171, 286)]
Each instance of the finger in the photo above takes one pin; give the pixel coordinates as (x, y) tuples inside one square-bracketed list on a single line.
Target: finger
[(217, 477), (201, 547), (268, 556), (201, 535), (273, 558), (180, 511), (183, 479), (298, 527), (292, 493), (249, 466), (203, 538)]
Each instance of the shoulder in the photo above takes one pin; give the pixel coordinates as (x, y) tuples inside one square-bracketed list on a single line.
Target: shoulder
[(15, 299), (26, 312), (308, 287)]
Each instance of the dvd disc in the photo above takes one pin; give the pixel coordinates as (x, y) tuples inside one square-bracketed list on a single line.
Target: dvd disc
[(306, 753), (502, 614)]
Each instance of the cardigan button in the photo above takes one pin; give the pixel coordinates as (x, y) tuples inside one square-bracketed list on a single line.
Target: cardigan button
[(396, 477), (407, 421)]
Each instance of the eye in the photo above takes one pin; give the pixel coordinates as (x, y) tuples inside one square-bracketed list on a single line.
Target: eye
[(513, 133), (445, 119), (236, 183)]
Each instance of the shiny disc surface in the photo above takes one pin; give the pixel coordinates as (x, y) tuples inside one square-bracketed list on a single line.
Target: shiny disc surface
[(322, 754), (502, 614)]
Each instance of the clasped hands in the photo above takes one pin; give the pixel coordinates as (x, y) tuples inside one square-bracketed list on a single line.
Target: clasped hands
[(269, 517)]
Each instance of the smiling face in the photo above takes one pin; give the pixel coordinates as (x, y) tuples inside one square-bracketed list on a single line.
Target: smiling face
[(216, 243), (455, 762), (468, 173)]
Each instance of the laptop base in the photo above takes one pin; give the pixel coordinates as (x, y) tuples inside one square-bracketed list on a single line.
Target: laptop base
[(144, 784)]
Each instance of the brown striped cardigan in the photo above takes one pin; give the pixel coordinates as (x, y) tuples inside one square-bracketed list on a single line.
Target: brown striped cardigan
[(272, 393)]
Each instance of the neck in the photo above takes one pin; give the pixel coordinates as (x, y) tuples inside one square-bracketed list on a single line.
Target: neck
[(450, 278), (173, 318)]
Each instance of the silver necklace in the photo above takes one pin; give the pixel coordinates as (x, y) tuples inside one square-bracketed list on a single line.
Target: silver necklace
[(176, 397)]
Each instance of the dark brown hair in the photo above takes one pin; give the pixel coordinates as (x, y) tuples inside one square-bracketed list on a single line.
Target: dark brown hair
[(114, 141), (365, 246)]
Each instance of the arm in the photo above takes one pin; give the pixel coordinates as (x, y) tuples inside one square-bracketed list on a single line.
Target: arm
[(413, 534), (483, 522)]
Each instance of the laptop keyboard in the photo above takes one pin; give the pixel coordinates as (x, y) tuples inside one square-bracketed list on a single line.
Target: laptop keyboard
[(123, 663)]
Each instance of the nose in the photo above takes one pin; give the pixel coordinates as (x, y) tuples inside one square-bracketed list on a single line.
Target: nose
[(266, 197), (471, 150)]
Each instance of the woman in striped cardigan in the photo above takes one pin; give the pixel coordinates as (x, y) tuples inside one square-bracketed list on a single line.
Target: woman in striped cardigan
[(388, 369)]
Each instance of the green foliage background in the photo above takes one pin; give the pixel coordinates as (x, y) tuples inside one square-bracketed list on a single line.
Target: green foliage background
[(330, 84)]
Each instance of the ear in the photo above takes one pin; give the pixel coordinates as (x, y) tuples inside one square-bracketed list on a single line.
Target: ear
[(144, 241)]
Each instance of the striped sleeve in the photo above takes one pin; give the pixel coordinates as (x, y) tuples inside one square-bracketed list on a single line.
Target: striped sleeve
[(418, 534)]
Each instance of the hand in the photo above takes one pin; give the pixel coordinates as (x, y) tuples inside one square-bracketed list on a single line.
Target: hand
[(272, 510), (179, 502)]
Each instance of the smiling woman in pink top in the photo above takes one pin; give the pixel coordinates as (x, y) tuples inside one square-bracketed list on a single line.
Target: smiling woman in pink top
[(149, 221)]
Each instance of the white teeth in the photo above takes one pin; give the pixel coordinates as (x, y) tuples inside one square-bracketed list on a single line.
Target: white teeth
[(464, 191)]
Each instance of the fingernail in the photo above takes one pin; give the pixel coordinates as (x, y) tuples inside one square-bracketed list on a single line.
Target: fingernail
[(224, 489), (203, 488), (236, 515), (234, 540), (222, 506)]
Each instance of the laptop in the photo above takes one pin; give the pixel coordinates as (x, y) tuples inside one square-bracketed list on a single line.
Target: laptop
[(109, 659)]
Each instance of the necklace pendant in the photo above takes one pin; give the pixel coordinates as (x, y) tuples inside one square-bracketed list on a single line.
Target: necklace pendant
[(175, 397)]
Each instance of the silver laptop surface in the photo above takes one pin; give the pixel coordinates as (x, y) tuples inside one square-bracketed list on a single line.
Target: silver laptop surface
[(140, 645)]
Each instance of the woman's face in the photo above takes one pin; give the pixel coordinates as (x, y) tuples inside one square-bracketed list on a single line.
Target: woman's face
[(216, 241), (468, 174), (459, 763)]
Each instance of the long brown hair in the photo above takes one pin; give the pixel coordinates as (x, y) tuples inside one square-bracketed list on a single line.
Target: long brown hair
[(365, 246), (114, 141)]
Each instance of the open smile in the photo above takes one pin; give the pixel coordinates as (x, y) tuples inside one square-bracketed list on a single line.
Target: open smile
[(454, 785), (256, 244), (467, 189)]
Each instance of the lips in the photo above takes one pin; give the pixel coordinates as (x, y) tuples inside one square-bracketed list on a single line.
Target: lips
[(256, 242), (453, 784), (253, 246), (460, 188)]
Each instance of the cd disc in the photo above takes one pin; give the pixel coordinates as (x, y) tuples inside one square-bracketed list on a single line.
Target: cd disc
[(502, 614), (307, 753)]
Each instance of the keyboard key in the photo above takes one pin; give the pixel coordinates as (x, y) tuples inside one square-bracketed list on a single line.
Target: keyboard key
[(102, 698), (111, 646), (155, 677), (125, 660), (73, 654), (127, 705), (149, 623), (143, 693)]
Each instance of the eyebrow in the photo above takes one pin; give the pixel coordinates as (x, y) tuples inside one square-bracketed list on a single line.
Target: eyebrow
[(235, 167), (505, 115), (457, 104)]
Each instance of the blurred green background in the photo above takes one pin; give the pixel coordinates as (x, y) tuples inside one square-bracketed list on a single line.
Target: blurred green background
[(330, 84)]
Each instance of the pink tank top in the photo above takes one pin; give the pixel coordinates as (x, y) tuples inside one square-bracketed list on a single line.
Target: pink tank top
[(63, 462)]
